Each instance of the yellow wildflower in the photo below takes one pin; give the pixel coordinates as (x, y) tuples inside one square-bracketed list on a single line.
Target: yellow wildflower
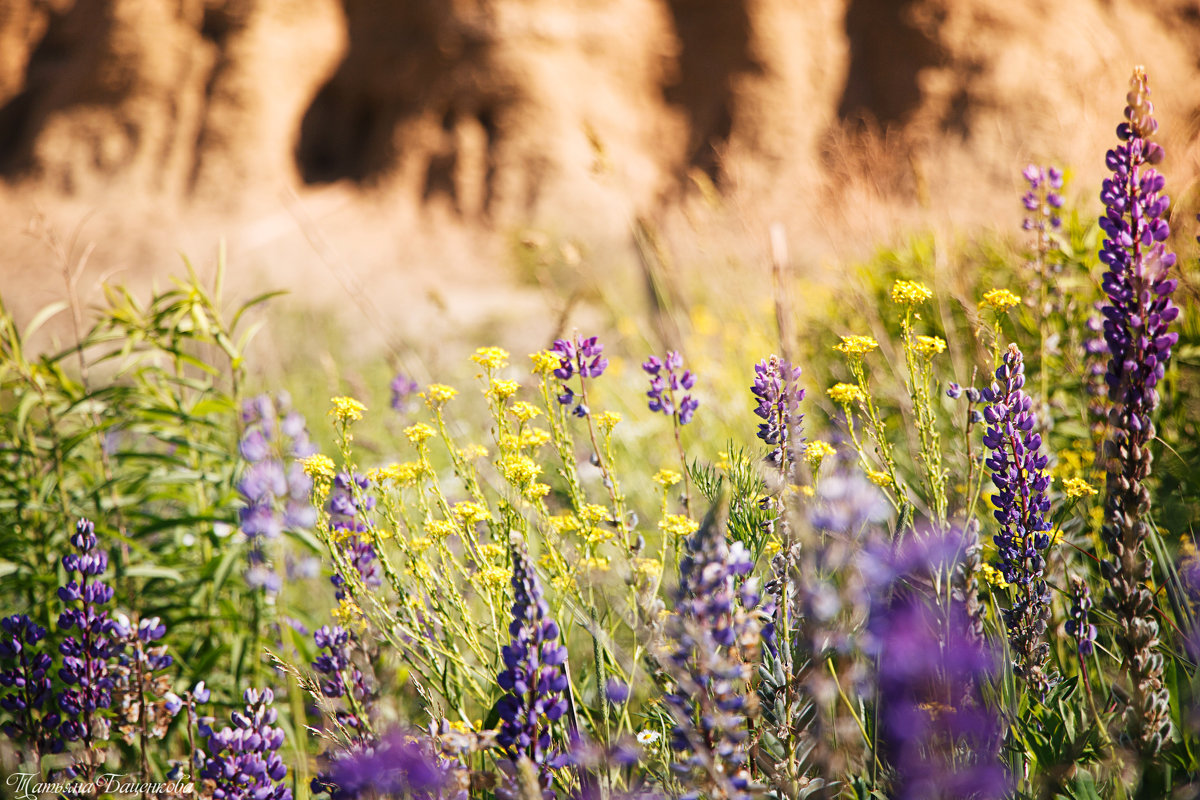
[(470, 512), (993, 576), (595, 564), (856, 345), (597, 536), (491, 357), (493, 577), (563, 523), (346, 409), (910, 293), (667, 477), (723, 461), (930, 345), (440, 528), (438, 393), (647, 567), (845, 393), (607, 420), (350, 616), (999, 300), (593, 513), (678, 525), (534, 437), (545, 361), (472, 452), (319, 467), (491, 552), (537, 491), (772, 546), (419, 433), (816, 451), (1078, 487), (420, 543), (502, 389), (518, 470), (808, 491), (524, 411), (879, 478), (420, 569)]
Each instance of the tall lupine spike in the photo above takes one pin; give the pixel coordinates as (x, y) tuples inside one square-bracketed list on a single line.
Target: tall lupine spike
[(533, 676), (348, 525), (669, 384), (582, 357), (713, 639), (1019, 474), (1137, 317), (776, 386), (243, 761), (26, 682), (87, 653)]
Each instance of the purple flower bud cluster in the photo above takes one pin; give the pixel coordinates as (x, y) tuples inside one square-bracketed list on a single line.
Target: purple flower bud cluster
[(403, 388), (274, 486), (334, 665), (668, 379), (935, 729), (1137, 317), (243, 762), (1078, 626), (714, 638), (582, 357), (776, 386), (87, 653), (1019, 474), (348, 525), (1042, 201), (142, 701), (26, 682), (533, 676)]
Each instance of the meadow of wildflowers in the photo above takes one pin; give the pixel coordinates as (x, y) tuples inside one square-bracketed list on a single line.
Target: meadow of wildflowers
[(938, 545)]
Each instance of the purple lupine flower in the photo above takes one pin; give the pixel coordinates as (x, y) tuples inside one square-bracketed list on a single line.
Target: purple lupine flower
[(399, 765), (334, 667), (533, 676), (403, 388), (668, 381), (582, 357), (274, 487), (1019, 474), (714, 641), (25, 678), (88, 652), (1042, 201), (347, 520), (243, 760), (1078, 626), (616, 691), (141, 700), (779, 394), (935, 729), (1137, 318)]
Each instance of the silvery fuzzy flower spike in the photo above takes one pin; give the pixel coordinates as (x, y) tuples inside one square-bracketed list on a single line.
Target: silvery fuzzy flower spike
[(1019, 474), (1139, 312)]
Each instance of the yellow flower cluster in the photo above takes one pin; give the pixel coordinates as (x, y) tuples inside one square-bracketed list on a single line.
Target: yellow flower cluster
[(879, 478), (678, 525), (350, 616), (438, 393), (536, 491), (518, 470), (999, 300), (595, 564), (470, 512), (472, 452), (491, 357), (493, 577), (772, 546), (845, 393), (545, 361), (667, 477), (647, 568), (420, 543), (563, 522), (419, 433), (607, 420), (816, 451), (319, 467), (593, 513), (502, 389), (930, 346), (529, 438), (440, 528), (910, 293), (524, 411), (595, 536), (856, 345), (346, 409), (491, 552), (993, 576), (1078, 487)]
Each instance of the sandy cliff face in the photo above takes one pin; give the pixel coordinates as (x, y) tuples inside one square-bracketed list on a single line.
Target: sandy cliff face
[(437, 119)]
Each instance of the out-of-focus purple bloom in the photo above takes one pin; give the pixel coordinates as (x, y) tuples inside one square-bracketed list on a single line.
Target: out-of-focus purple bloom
[(1019, 474), (582, 357), (668, 381), (935, 729), (87, 653), (1136, 327), (403, 389), (776, 386), (953, 391), (533, 675), (274, 487), (347, 505), (243, 760), (25, 678), (715, 639), (1079, 627), (616, 691), (1042, 200), (399, 765)]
